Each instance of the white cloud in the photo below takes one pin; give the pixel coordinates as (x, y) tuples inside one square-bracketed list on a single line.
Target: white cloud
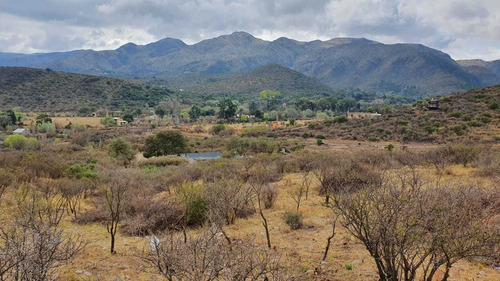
[(463, 28)]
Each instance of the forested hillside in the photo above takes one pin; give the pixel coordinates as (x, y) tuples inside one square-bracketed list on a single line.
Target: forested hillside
[(53, 91)]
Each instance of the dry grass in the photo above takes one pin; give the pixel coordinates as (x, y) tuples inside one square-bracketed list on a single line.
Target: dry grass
[(91, 121)]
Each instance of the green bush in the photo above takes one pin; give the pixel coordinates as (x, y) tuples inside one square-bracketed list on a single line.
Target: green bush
[(349, 266), (108, 121), (319, 142), (294, 220), (494, 106), (340, 119), (21, 142), (217, 129), (83, 171), (121, 150), (485, 119), (455, 114), (79, 127), (46, 128), (165, 143)]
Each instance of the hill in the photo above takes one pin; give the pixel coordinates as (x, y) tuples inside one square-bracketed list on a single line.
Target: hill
[(273, 76), (340, 63), (472, 116), (53, 91)]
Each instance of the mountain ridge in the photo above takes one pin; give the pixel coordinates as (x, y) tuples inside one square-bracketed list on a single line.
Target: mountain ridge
[(340, 63)]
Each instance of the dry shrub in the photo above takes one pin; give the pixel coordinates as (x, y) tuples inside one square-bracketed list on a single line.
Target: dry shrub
[(489, 163), (92, 216), (269, 196), (163, 161), (146, 216)]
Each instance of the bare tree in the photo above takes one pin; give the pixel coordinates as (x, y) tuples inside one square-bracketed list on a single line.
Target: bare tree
[(116, 187), (32, 244), (408, 227), (208, 257), (259, 181), (329, 238)]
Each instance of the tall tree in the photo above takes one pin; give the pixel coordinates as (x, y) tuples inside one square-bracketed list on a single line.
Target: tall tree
[(227, 109)]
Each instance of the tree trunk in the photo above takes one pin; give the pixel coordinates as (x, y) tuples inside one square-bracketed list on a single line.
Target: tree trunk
[(328, 242)]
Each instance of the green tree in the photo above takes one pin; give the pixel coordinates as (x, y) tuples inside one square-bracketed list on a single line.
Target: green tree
[(128, 117), (270, 97), (121, 150), (164, 143), (160, 112), (195, 112), (227, 109)]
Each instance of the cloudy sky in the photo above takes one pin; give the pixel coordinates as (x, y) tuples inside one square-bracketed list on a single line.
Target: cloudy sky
[(462, 28)]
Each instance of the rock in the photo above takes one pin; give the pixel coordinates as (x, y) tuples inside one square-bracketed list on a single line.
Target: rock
[(356, 262), (79, 271), (481, 272), (86, 273)]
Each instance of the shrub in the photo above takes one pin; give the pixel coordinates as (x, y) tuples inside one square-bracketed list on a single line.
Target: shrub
[(269, 196), (494, 106), (340, 119), (85, 171), (217, 129), (294, 220), (349, 266), (16, 141), (147, 216), (121, 150), (79, 139), (163, 161), (485, 119), (108, 121), (46, 128), (319, 142), (455, 114), (79, 127)]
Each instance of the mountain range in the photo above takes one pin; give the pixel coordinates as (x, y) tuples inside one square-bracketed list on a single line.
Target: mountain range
[(340, 63)]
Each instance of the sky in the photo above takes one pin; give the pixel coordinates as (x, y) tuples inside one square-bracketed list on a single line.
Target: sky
[(464, 29)]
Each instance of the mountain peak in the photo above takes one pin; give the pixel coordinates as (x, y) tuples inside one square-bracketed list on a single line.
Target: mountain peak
[(129, 47)]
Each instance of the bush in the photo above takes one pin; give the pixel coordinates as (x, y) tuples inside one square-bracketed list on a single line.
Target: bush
[(163, 161), (217, 129), (340, 119), (294, 220), (147, 216), (494, 106), (16, 141), (165, 143), (46, 128), (269, 196), (79, 127), (319, 142), (121, 150), (108, 121)]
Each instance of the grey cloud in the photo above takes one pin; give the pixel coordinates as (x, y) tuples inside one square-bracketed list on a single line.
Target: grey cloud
[(55, 25)]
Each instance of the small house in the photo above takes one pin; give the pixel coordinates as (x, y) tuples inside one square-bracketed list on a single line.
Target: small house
[(120, 122), (433, 105), (20, 131)]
